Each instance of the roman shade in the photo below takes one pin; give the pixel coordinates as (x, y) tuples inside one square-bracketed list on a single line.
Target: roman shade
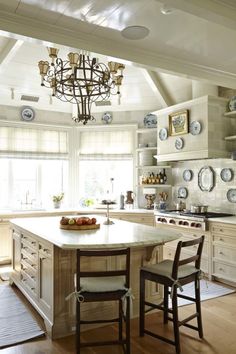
[(33, 143)]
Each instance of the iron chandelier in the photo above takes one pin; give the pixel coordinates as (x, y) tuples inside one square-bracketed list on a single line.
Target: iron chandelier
[(80, 80)]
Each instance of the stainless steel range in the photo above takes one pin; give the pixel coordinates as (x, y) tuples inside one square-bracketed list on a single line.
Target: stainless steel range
[(197, 221)]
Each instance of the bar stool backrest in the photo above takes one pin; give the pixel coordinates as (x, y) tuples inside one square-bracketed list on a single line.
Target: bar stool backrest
[(195, 258), (106, 273)]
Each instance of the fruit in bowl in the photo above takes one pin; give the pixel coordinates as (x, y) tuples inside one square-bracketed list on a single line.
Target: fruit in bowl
[(71, 221), (79, 221)]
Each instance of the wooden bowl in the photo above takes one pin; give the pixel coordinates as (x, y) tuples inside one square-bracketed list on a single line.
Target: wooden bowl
[(80, 227)]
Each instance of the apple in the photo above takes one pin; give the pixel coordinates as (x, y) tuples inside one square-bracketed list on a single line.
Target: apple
[(64, 221), (94, 220), (79, 221), (71, 221), (89, 222)]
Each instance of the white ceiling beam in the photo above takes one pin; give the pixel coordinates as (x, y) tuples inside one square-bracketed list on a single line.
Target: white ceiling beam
[(210, 10), (19, 27), (158, 88), (9, 50)]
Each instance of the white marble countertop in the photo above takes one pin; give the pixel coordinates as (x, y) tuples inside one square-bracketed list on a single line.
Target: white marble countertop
[(10, 214), (120, 234), (225, 219)]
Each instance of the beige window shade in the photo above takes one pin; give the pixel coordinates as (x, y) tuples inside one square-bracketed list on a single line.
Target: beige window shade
[(106, 144), (24, 142)]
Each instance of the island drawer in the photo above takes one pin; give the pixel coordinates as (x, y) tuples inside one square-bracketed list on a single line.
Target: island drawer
[(45, 249), (227, 254), (29, 241)]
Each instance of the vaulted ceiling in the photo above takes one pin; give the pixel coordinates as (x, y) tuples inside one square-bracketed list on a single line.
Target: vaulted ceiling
[(196, 41)]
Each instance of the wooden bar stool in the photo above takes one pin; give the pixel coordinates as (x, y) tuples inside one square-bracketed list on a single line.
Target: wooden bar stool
[(174, 274), (109, 285)]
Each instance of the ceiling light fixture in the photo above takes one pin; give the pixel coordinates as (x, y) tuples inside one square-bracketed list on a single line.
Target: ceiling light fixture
[(80, 80), (135, 32)]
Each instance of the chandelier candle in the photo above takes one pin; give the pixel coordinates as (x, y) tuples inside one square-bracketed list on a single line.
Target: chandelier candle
[(80, 80)]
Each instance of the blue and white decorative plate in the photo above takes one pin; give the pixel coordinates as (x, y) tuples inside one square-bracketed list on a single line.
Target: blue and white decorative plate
[(163, 134), (195, 127), (150, 120), (182, 192), (107, 118), (187, 175), (231, 195), (226, 174), (27, 114), (179, 143), (232, 104)]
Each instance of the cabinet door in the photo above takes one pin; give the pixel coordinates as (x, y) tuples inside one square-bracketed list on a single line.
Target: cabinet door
[(5, 243), (45, 283), (16, 254)]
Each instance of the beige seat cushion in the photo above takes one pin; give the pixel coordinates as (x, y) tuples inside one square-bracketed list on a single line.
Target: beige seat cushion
[(102, 284), (164, 268)]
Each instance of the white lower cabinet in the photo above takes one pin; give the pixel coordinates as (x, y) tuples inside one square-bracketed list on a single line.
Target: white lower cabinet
[(5, 242), (186, 235), (33, 271), (140, 218), (223, 251)]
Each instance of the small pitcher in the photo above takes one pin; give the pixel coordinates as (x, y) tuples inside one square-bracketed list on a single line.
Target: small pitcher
[(129, 197)]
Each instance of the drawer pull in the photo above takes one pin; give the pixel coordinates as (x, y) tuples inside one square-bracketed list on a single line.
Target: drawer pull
[(221, 239), (221, 230), (221, 252), (33, 253), (221, 269)]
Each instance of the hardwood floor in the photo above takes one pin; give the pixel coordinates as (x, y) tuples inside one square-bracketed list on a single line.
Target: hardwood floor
[(219, 324)]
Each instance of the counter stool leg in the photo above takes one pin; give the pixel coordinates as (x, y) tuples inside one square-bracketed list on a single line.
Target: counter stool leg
[(198, 307), (176, 320), (120, 319), (77, 327), (127, 315), (166, 303), (142, 305)]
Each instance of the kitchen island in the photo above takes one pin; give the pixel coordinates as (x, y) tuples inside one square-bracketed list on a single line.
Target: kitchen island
[(44, 263)]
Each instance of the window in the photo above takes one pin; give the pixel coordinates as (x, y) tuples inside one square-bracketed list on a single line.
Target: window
[(29, 183), (106, 163), (33, 166)]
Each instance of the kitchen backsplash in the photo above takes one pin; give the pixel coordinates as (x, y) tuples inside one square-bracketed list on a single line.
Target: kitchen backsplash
[(215, 199)]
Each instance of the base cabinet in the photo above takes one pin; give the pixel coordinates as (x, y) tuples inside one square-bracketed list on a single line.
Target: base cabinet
[(5, 242), (45, 275), (140, 218), (224, 252), (186, 235)]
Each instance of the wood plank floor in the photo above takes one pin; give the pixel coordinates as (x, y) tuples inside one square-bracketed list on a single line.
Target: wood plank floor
[(219, 320)]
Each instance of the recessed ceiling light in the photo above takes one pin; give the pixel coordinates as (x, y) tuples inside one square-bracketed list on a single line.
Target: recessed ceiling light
[(135, 32), (165, 10)]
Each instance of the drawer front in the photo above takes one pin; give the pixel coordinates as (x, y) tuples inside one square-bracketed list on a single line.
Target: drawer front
[(29, 241), (169, 253), (29, 253), (224, 254), (194, 235), (223, 229), (29, 283), (45, 249), (224, 271), (224, 240), (192, 249)]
